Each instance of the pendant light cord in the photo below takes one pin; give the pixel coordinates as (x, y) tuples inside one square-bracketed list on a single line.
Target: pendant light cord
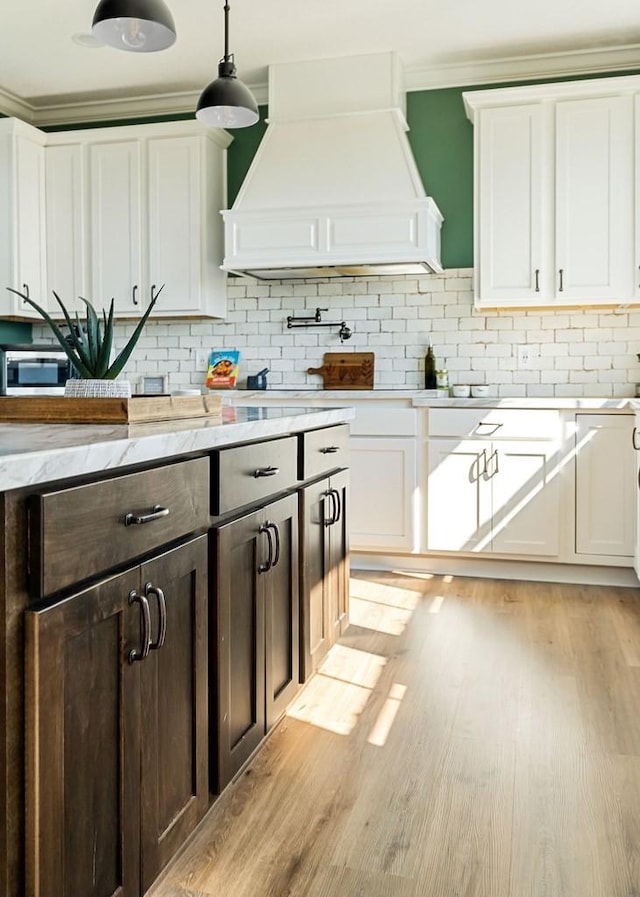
[(226, 31)]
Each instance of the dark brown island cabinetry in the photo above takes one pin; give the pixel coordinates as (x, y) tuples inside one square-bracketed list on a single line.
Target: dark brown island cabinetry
[(116, 703), (255, 638), (324, 546)]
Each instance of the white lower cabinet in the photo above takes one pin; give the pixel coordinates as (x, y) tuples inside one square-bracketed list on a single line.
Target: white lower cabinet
[(384, 484), (493, 483), (604, 486), (635, 441), (493, 497)]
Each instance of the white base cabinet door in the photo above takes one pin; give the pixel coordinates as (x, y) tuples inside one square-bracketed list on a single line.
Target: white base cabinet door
[(604, 478), (384, 485), (500, 498)]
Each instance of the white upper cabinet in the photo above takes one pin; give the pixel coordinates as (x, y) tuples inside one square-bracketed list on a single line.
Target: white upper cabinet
[(22, 218), (65, 230), (148, 214), (115, 202), (554, 202)]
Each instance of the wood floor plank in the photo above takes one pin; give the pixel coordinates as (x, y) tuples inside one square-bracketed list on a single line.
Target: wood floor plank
[(467, 738)]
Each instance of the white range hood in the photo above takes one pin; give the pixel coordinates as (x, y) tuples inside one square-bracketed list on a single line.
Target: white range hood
[(333, 189)]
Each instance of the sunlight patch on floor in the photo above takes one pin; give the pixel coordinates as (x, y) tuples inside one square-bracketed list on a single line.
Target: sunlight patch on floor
[(387, 715), (336, 696), (381, 607)]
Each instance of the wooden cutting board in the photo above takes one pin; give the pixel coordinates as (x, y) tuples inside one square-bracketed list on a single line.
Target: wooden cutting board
[(346, 370)]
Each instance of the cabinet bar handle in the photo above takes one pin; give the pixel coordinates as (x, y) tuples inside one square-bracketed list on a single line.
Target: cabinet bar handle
[(327, 518), (157, 512), (330, 449), (485, 462), (276, 532), (338, 513), (155, 295), (133, 294), (537, 280), (561, 273), (25, 290), (495, 426), (266, 472), (150, 589), (634, 439), (135, 655), (495, 455), (266, 565)]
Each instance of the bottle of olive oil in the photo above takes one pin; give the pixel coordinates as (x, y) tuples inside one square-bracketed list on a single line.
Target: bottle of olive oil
[(430, 381)]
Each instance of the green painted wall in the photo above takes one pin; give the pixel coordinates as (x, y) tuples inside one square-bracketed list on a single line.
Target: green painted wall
[(15, 332)]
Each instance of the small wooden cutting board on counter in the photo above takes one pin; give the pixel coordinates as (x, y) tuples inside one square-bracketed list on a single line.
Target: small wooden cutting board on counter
[(346, 370)]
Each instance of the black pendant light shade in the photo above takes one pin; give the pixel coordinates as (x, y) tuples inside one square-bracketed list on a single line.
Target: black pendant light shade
[(227, 102), (139, 26)]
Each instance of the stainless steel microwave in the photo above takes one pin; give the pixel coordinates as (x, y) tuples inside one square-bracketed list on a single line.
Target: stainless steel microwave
[(33, 369)]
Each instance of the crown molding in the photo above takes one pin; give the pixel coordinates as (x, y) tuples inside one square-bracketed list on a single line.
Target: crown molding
[(117, 109), (524, 68), (15, 107), (464, 74)]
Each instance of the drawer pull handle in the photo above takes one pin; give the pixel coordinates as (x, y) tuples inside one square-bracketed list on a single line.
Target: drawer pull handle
[(495, 426), (266, 472), (157, 512), (330, 449), (135, 655), (150, 589), (266, 565)]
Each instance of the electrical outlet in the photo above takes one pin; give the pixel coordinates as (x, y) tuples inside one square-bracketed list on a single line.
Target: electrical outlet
[(202, 359), (525, 357)]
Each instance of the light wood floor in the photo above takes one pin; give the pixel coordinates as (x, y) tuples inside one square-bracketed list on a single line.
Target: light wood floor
[(467, 738)]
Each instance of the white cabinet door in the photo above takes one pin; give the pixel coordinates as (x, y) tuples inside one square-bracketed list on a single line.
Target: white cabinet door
[(186, 184), (594, 198), (510, 188), (604, 478), (65, 230), (458, 501), (384, 493), (116, 251), (22, 211), (525, 484)]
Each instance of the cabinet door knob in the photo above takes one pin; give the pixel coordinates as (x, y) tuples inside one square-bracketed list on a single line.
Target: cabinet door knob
[(134, 655), (266, 565), (266, 472), (156, 514), (150, 589)]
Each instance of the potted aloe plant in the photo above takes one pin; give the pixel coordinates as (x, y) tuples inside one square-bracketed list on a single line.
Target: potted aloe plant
[(88, 346)]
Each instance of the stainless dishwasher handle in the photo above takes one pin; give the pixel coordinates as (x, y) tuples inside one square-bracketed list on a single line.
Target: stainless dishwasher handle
[(157, 512), (266, 472)]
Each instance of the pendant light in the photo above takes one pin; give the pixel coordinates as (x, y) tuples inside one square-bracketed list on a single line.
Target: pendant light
[(227, 102), (140, 26)]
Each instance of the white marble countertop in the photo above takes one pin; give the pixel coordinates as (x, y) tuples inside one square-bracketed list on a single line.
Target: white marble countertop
[(34, 454), (425, 398)]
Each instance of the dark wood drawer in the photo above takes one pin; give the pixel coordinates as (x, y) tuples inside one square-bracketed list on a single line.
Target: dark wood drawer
[(80, 532), (246, 474), (324, 450)]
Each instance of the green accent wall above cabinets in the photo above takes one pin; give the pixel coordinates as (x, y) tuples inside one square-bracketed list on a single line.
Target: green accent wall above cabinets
[(241, 152), (441, 137), (15, 332)]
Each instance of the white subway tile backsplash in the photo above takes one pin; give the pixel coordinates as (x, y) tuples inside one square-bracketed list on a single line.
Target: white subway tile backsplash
[(576, 352)]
